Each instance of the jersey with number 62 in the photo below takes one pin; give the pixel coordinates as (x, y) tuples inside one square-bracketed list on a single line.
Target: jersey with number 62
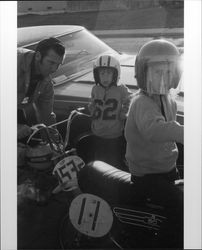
[(109, 108)]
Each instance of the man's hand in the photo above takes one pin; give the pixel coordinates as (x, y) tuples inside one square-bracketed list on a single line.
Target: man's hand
[(23, 131)]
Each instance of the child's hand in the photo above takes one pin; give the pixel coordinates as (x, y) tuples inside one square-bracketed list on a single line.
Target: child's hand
[(124, 109), (123, 114), (91, 107)]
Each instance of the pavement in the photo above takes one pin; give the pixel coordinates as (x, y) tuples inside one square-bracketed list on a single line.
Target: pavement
[(39, 224), (155, 32)]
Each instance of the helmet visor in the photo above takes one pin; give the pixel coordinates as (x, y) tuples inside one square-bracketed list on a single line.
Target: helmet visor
[(161, 77)]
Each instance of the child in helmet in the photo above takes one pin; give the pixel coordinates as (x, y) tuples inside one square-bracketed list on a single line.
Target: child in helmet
[(108, 106), (152, 131)]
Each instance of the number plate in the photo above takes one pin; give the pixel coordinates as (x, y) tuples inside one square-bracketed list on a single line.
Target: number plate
[(66, 171), (91, 215)]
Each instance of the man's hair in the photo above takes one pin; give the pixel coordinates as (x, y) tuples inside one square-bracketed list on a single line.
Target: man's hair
[(50, 43)]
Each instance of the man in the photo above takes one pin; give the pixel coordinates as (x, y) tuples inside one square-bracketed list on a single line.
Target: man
[(35, 88)]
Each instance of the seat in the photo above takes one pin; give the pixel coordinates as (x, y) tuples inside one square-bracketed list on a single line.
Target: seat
[(112, 184), (108, 182)]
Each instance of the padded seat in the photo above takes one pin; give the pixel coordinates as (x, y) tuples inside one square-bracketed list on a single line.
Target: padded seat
[(111, 184), (107, 182)]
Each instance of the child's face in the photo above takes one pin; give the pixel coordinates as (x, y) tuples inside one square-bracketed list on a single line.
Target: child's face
[(106, 76)]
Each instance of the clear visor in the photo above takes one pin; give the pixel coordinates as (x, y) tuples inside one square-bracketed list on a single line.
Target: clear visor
[(160, 76)]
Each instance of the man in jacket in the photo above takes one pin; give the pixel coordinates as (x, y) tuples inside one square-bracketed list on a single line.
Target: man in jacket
[(34, 85)]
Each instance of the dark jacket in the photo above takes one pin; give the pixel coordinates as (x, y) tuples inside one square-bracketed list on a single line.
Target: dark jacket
[(41, 102)]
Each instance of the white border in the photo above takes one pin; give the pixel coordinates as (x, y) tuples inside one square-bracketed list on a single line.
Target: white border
[(8, 97), (193, 138)]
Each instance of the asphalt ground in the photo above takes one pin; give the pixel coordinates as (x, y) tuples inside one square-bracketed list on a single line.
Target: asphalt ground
[(111, 20), (125, 30), (131, 45)]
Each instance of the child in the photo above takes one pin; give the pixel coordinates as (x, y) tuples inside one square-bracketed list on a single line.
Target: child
[(109, 106), (152, 131)]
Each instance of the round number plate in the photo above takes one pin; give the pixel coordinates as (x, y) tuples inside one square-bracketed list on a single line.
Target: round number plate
[(91, 215)]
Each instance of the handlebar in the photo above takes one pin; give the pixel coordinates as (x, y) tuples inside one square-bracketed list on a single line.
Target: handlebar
[(39, 127)]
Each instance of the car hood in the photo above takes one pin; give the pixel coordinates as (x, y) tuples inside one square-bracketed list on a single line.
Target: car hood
[(126, 76)]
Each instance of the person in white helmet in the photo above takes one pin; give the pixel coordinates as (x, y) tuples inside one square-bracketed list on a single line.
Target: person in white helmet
[(109, 107), (152, 131)]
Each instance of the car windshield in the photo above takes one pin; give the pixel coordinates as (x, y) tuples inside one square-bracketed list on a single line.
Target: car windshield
[(83, 44), (82, 48)]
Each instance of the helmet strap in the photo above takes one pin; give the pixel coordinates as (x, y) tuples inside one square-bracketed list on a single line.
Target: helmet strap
[(162, 107)]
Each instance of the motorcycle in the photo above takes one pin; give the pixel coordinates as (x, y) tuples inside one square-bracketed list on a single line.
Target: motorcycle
[(105, 211)]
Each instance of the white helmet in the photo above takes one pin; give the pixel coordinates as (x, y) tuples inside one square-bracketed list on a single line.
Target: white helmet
[(107, 61), (157, 67)]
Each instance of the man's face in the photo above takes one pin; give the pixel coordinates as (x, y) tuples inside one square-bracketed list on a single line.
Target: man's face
[(106, 76), (49, 63)]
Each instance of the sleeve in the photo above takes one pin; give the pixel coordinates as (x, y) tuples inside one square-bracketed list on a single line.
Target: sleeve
[(126, 99), (19, 60), (22, 55), (91, 105), (152, 124), (45, 105)]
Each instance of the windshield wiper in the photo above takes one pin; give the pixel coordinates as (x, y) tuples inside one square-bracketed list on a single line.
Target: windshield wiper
[(82, 52)]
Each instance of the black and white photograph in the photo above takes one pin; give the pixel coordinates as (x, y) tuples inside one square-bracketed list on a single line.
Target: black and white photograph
[(101, 124)]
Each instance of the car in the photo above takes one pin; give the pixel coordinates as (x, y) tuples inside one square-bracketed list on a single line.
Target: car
[(73, 81)]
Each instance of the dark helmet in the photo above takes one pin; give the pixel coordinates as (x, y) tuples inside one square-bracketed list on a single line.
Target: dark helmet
[(158, 53)]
